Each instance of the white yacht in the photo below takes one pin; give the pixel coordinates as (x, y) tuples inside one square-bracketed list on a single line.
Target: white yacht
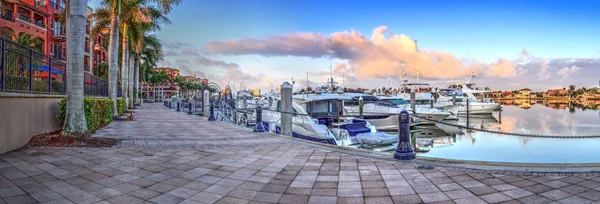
[(464, 93), (424, 101), (318, 117), (384, 115)]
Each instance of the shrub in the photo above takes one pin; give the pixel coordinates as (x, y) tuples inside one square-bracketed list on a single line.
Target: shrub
[(98, 112), (121, 105)]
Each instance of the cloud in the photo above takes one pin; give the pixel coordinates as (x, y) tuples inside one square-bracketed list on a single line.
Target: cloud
[(169, 53), (544, 71), (189, 52), (565, 72), (182, 61), (176, 45), (377, 56)]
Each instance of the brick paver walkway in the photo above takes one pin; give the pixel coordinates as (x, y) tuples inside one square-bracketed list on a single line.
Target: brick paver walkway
[(169, 157)]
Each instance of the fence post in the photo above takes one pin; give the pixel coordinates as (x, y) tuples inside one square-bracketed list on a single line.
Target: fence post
[(49, 74), (211, 116), (178, 106), (259, 127), (30, 71), (404, 150), (3, 44), (286, 108), (189, 108)]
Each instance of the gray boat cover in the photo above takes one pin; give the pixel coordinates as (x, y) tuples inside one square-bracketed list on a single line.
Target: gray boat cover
[(376, 138)]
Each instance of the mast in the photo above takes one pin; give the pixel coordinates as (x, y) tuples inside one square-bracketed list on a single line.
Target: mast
[(331, 73), (417, 61)]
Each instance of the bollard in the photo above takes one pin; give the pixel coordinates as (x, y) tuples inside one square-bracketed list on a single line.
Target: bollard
[(259, 126), (190, 108), (361, 104), (211, 117), (178, 110), (169, 104), (404, 150)]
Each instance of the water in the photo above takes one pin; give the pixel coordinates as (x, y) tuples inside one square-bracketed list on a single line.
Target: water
[(545, 118)]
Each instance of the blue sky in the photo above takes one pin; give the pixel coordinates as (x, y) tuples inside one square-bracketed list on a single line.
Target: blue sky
[(481, 31)]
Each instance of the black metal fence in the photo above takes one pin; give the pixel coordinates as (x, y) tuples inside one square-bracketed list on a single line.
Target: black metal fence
[(25, 70)]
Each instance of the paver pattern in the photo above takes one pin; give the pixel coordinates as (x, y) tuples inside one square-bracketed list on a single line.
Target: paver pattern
[(172, 157)]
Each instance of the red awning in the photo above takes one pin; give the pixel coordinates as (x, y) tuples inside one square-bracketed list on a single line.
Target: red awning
[(44, 75)]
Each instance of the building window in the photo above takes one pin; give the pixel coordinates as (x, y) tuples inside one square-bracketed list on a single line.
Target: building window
[(51, 48), (52, 24)]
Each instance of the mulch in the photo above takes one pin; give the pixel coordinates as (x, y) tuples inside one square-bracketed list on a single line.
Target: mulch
[(55, 139)]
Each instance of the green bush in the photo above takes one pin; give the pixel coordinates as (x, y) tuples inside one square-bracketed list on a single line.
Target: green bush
[(121, 105), (98, 112)]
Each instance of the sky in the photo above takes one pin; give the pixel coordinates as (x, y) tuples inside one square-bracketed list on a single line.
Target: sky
[(508, 44)]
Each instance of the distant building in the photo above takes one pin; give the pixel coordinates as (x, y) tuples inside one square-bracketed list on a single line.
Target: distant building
[(524, 93), (191, 78), (172, 72), (556, 92), (255, 92)]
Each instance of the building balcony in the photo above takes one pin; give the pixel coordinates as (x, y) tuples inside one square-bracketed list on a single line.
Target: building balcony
[(24, 18), (59, 36), (7, 15), (40, 24)]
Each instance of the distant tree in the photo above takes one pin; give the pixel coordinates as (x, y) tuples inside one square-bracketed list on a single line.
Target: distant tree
[(571, 87)]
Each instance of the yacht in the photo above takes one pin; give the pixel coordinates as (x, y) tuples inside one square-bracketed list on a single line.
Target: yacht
[(464, 92), (384, 115), (319, 117), (422, 103)]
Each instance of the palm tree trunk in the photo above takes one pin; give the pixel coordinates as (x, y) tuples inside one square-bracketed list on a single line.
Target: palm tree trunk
[(131, 82), (113, 60), (136, 82), (75, 122), (125, 66)]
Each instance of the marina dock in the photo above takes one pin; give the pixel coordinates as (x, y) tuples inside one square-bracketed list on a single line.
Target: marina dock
[(172, 157)]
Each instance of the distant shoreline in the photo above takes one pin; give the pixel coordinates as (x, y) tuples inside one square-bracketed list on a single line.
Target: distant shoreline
[(547, 98)]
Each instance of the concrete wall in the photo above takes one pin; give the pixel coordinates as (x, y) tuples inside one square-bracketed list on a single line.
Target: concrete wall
[(23, 116)]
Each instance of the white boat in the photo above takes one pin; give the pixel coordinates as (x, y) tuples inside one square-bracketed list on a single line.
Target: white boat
[(423, 103), (464, 93), (384, 115), (318, 118)]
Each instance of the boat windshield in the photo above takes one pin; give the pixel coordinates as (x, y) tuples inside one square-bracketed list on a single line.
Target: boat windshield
[(397, 101)]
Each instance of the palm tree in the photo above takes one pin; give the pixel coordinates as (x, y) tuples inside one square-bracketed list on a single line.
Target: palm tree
[(26, 39), (109, 16), (150, 53), (75, 122)]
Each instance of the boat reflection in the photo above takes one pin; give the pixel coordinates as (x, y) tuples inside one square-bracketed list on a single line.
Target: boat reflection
[(486, 122), (431, 136)]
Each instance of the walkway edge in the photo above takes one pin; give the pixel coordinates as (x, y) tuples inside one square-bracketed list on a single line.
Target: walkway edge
[(488, 167)]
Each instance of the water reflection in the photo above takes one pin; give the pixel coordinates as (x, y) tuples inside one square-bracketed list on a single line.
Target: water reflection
[(522, 116)]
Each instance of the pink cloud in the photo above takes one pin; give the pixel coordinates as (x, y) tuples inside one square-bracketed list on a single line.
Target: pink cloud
[(378, 56)]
